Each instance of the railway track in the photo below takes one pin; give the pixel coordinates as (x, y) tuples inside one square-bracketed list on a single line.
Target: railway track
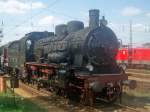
[(139, 70), (142, 79), (139, 75), (75, 107)]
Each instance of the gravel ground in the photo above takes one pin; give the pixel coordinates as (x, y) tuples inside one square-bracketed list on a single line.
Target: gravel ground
[(54, 103)]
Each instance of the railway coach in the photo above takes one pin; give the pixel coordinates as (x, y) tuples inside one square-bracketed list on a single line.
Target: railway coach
[(136, 58)]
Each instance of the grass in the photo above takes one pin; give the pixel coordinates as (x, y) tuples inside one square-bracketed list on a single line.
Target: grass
[(22, 105), (139, 93)]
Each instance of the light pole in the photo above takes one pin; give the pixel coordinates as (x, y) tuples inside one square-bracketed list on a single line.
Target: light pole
[(130, 46)]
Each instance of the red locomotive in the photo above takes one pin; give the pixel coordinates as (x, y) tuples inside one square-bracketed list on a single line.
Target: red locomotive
[(138, 58)]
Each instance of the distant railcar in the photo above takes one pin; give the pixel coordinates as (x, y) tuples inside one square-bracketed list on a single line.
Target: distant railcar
[(138, 58)]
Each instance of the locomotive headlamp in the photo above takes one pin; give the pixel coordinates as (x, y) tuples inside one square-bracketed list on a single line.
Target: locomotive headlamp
[(90, 67)]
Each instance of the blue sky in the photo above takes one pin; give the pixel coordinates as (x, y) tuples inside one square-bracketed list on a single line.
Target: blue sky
[(23, 16)]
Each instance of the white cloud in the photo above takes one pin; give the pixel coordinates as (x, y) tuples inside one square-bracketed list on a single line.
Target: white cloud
[(18, 6), (48, 20), (148, 14), (131, 11), (37, 5)]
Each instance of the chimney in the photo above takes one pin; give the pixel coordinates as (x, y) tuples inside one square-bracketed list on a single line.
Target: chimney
[(93, 18)]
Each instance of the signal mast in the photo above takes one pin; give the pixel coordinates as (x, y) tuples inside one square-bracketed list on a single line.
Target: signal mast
[(130, 45), (1, 32), (1, 36)]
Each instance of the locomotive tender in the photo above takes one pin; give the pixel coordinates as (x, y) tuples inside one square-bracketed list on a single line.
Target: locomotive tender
[(75, 61)]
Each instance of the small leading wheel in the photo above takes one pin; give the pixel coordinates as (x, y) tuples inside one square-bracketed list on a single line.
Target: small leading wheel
[(113, 94), (112, 98)]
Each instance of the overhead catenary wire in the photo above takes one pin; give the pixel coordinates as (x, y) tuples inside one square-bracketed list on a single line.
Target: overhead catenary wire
[(38, 14), (50, 9), (33, 16), (11, 29), (56, 12)]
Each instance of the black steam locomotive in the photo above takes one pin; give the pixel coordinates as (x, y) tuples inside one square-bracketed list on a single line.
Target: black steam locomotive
[(76, 62)]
